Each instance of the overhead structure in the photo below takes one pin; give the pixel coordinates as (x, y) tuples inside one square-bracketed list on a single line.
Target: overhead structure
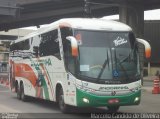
[(36, 12), (8, 8)]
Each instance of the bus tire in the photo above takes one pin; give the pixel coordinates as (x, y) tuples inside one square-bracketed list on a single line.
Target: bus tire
[(113, 109), (18, 92), (23, 96), (63, 107)]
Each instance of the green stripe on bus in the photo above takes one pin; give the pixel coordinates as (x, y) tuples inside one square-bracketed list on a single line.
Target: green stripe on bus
[(44, 84), (50, 80)]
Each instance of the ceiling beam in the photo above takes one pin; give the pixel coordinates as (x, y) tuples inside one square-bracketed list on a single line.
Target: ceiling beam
[(26, 2), (49, 19), (50, 13)]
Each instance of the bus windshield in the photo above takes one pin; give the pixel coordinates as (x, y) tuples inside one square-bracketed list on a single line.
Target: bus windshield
[(107, 56)]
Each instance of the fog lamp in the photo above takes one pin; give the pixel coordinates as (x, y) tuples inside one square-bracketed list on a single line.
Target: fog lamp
[(136, 99), (85, 100)]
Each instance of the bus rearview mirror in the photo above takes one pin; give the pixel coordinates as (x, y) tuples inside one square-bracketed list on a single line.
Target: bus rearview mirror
[(74, 45), (147, 47)]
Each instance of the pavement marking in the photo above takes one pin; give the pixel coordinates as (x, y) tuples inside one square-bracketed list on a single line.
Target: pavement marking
[(4, 109)]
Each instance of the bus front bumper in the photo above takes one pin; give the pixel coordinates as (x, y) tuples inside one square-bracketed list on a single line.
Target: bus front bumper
[(85, 99)]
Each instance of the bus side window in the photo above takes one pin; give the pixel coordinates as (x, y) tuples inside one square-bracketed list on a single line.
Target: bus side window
[(22, 45), (49, 44), (22, 49)]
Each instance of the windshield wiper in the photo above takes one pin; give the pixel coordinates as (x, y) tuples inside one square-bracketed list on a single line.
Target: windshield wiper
[(102, 70), (103, 67)]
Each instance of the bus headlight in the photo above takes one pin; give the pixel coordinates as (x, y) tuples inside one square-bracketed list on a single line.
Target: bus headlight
[(85, 100), (136, 99)]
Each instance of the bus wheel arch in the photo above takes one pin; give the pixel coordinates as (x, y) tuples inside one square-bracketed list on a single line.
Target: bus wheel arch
[(58, 87), (60, 99)]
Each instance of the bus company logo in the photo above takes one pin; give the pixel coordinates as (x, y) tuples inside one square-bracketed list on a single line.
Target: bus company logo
[(21, 54), (112, 82), (119, 41), (113, 88), (113, 93), (46, 62)]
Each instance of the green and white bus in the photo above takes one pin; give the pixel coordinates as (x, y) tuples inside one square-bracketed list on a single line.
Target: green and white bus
[(79, 62)]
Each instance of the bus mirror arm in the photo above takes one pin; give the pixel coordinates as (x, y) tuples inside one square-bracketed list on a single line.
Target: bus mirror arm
[(74, 45), (147, 47)]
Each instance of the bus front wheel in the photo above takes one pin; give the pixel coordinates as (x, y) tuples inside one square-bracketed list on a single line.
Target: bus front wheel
[(63, 107), (113, 109)]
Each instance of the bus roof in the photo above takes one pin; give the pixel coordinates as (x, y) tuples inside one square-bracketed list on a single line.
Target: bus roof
[(96, 24), (80, 23)]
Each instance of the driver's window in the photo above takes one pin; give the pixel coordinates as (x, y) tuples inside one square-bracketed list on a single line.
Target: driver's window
[(68, 58)]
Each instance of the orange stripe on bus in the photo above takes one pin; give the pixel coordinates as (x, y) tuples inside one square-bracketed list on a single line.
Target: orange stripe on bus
[(25, 71)]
